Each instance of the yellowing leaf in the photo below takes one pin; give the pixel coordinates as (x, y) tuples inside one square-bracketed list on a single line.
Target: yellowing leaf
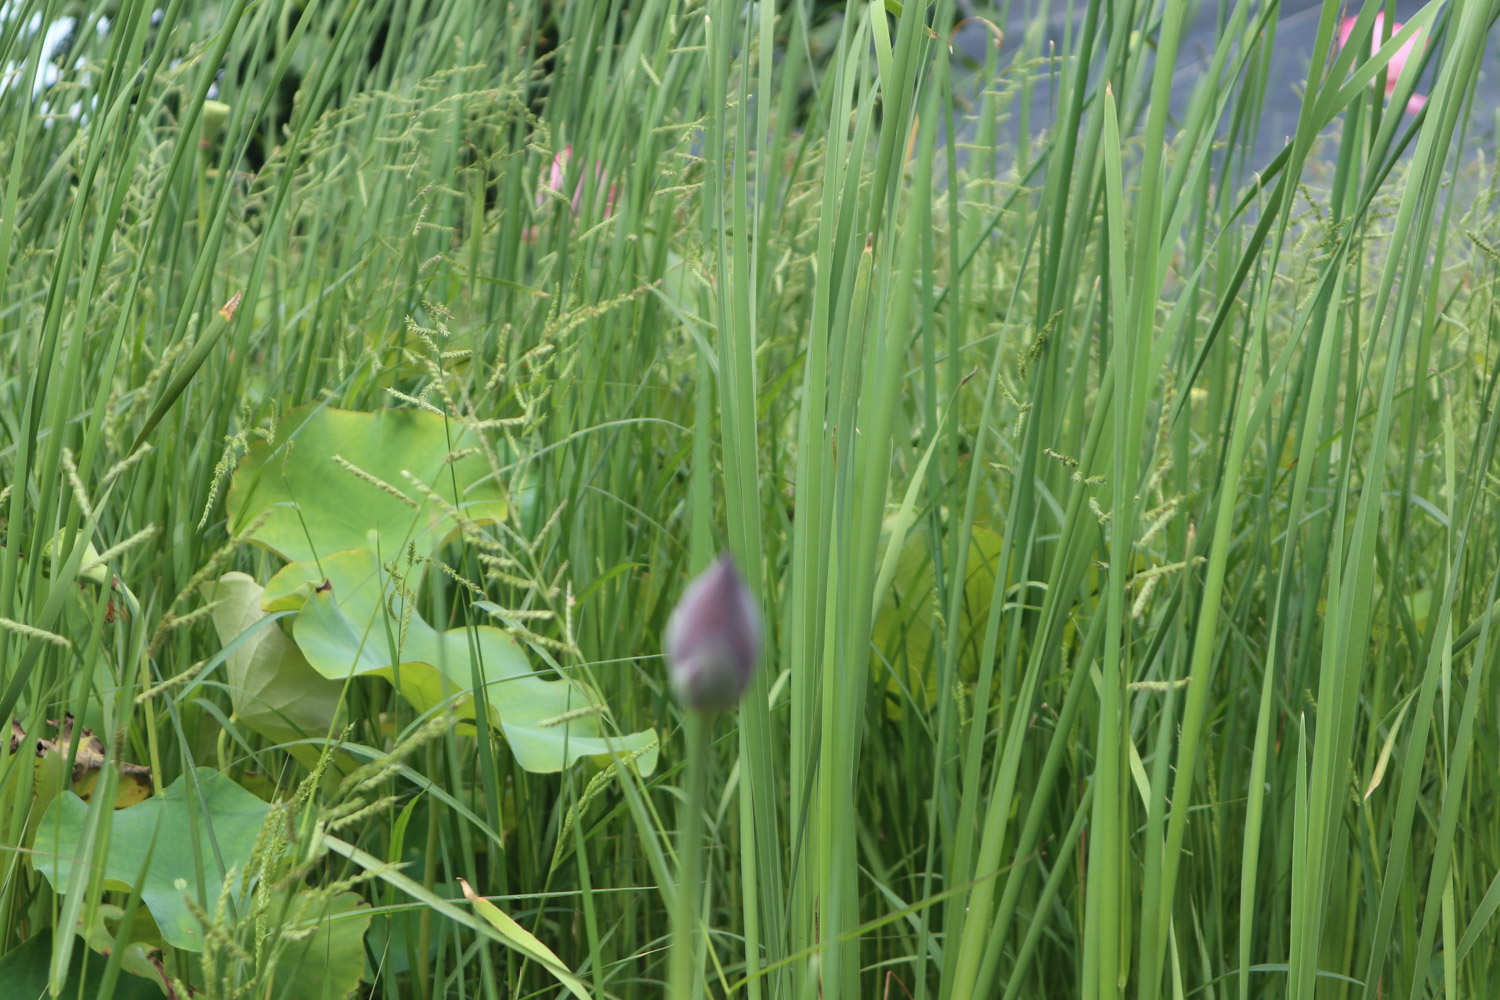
[(273, 689), (1386, 748), (902, 632), (524, 941), (135, 780)]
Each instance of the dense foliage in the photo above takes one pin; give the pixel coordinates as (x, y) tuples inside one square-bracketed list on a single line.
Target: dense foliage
[(1118, 500)]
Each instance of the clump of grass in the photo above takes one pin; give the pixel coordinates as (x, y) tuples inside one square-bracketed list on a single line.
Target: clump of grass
[(1119, 503)]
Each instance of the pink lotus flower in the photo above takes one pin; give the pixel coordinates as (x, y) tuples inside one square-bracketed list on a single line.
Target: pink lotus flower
[(555, 178), (1398, 61)]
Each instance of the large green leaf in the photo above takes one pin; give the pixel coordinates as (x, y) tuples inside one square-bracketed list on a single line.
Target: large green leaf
[(25, 969), (273, 689), (162, 825), (332, 476), (327, 963), (351, 619), (903, 629)]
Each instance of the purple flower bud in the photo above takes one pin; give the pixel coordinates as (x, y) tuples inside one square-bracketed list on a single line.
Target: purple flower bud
[(713, 639)]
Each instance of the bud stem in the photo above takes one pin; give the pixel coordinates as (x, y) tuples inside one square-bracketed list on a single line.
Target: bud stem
[(687, 963)]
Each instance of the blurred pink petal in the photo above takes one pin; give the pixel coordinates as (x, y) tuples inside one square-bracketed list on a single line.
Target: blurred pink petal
[(1398, 61), (555, 178)]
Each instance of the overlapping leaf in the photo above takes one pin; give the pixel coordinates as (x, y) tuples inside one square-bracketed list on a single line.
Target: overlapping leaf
[(326, 963), (273, 689), (226, 821), (353, 619), (332, 476), (26, 969), (902, 633), (337, 492)]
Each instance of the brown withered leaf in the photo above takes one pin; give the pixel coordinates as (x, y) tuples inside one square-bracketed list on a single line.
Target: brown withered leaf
[(135, 780)]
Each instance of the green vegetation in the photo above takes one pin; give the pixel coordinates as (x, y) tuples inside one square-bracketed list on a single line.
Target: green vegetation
[(1120, 506)]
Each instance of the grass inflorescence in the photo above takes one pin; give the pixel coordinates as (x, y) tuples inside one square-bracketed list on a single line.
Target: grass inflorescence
[(1118, 500)]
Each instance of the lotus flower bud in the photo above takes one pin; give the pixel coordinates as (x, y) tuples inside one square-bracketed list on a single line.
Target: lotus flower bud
[(713, 639)]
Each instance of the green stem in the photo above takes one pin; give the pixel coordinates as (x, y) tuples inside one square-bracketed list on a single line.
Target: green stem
[(685, 920)]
